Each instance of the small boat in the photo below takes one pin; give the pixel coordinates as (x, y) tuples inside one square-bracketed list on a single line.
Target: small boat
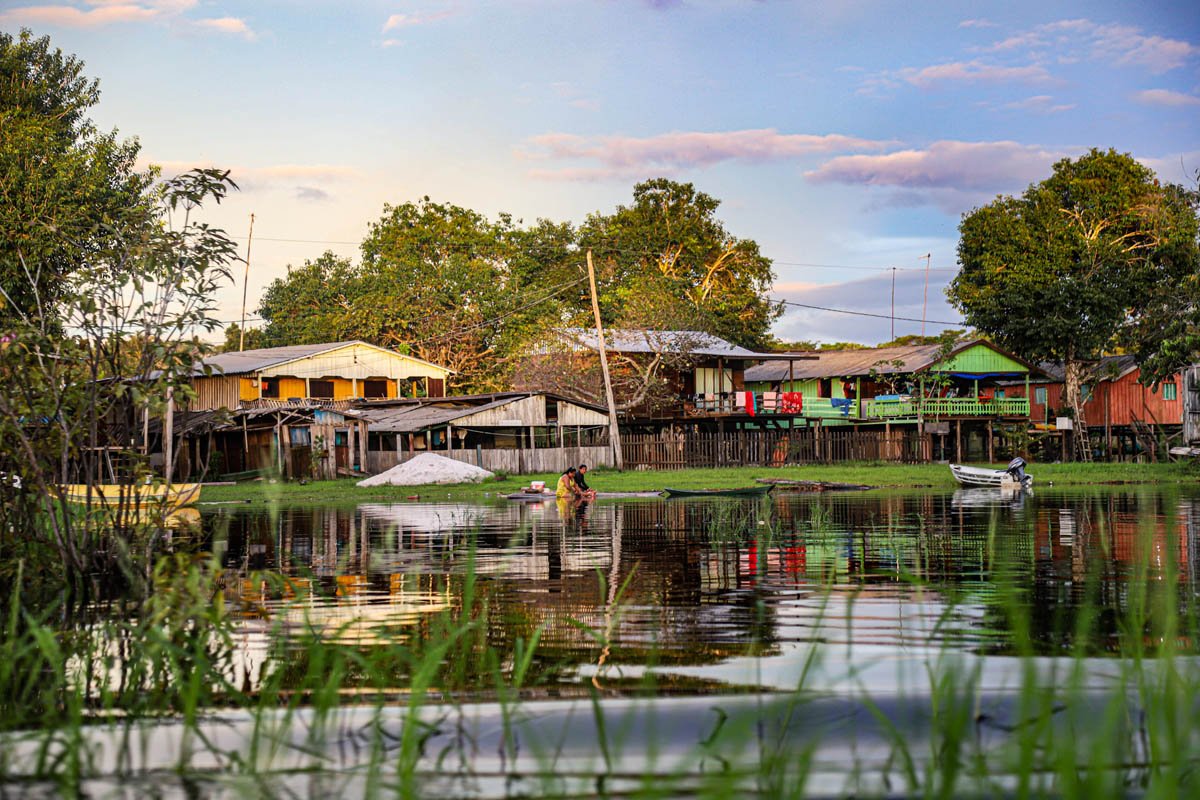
[(746, 491), (1013, 475), (142, 495)]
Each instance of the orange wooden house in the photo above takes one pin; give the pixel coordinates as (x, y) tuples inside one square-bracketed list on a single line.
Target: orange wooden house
[(1116, 407)]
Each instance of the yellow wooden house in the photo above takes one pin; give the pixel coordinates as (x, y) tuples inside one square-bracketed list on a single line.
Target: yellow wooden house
[(328, 372)]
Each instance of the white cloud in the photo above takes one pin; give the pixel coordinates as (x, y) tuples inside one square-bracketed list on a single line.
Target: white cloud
[(626, 156), (74, 17), (101, 13), (1040, 104), (397, 21), (972, 72), (228, 25), (1071, 40), (955, 176), (1165, 97)]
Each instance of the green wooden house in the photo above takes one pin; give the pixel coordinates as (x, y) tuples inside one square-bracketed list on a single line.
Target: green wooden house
[(915, 383)]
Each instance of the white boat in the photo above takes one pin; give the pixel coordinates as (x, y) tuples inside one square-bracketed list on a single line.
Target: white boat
[(1013, 476)]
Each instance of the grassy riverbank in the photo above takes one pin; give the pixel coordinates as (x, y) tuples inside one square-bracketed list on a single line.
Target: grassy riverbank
[(875, 474)]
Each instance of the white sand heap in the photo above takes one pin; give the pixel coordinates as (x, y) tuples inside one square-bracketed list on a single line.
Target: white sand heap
[(428, 468)]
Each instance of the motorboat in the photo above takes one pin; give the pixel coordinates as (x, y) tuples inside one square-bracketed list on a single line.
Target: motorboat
[(1014, 475)]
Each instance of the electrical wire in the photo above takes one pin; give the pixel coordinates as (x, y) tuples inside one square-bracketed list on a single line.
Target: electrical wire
[(869, 314)]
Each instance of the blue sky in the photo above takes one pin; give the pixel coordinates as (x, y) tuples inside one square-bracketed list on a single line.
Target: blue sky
[(846, 138)]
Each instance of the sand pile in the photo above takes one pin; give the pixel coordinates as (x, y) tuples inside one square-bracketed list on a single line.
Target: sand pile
[(428, 468)]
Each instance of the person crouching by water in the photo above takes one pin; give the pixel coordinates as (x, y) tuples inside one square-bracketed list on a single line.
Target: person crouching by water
[(585, 491), (567, 488)]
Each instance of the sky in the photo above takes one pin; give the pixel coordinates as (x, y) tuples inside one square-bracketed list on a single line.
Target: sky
[(847, 138)]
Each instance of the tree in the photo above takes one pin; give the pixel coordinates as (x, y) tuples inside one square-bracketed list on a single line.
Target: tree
[(440, 282), (312, 304), (68, 192), (1059, 272), (671, 239), (124, 352), (1165, 334), (234, 339)]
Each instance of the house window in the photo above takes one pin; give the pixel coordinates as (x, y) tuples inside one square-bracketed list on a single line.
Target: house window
[(1000, 394), (299, 437), (1168, 390), (375, 389), (321, 389), (1039, 395), (270, 387), (825, 387)]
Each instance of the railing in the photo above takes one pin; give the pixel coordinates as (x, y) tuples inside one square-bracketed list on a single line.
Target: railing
[(911, 407), (890, 408)]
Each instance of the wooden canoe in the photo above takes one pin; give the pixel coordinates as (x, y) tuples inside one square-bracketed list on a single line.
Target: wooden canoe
[(174, 496), (745, 491)]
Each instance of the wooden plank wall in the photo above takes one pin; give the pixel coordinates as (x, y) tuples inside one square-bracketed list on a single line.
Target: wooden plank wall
[(510, 461), (774, 448)]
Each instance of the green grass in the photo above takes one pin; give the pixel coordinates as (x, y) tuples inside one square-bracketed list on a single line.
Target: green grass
[(877, 474)]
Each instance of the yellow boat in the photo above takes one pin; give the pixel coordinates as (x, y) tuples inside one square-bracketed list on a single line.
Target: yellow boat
[(142, 495)]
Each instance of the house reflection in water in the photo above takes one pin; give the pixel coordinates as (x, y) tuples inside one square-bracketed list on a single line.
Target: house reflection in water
[(698, 582)]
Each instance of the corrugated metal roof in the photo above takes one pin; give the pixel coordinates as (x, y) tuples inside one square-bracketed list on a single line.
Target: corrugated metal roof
[(1108, 368), (415, 417), (623, 340), (256, 360), (838, 363)]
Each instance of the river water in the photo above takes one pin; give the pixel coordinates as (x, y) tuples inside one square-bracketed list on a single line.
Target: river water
[(730, 593), (907, 643)]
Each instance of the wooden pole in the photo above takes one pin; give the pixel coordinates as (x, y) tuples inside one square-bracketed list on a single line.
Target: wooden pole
[(613, 431), (169, 436), (925, 297), (245, 286)]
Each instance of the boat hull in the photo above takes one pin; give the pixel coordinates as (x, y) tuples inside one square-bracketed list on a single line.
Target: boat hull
[(172, 497), (748, 491), (977, 476)]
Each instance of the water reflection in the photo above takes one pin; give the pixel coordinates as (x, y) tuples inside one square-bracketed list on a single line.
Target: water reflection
[(695, 583)]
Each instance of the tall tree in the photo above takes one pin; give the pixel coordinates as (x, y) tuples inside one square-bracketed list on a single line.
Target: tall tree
[(1165, 333), (68, 191), (440, 282), (1057, 273), (313, 303), (670, 238)]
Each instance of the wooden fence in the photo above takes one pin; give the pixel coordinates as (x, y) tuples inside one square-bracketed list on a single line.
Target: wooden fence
[(773, 448), (511, 461)]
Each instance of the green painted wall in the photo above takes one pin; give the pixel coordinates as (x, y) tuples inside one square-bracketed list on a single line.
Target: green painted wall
[(981, 358)]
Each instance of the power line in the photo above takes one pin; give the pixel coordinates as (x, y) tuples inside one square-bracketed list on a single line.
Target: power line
[(868, 314)]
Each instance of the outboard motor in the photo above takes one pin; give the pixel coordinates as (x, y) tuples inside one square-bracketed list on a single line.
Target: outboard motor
[(1016, 469)]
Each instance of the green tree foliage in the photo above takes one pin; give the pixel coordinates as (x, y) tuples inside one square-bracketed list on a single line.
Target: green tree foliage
[(234, 340), (68, 192), (1057, 273), (950, 335), (311, 303), (438, 281), (669, 244), (76, 414), (446, 284), (1165, 334)]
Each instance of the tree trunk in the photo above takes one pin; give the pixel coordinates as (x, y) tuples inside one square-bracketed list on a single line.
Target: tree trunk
[(1073, 387)]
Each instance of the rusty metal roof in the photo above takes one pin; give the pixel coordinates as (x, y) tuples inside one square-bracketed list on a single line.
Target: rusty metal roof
[(628, 340), (845, 363)]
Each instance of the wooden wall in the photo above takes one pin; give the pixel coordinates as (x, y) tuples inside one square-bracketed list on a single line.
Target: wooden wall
[(1118, 402)]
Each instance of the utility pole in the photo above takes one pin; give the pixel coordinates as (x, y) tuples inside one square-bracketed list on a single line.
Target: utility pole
[(246, 286), (613, 431), (893, 304), (925, 299)]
